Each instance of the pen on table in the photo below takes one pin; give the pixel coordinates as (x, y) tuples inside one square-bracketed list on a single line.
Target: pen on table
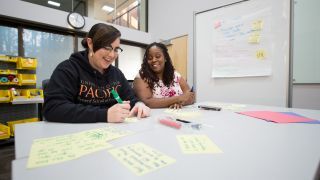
[(116, 96), (192, 125), (184, 121), (209, 108)]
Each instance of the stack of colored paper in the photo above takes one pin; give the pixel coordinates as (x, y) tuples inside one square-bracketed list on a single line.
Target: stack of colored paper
[(280, 117)]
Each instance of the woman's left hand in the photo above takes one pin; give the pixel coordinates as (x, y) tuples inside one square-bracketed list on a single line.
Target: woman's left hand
[(140, 110)]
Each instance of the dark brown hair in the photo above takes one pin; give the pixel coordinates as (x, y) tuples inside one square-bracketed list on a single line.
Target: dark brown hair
[(102, 35), (149, 76)]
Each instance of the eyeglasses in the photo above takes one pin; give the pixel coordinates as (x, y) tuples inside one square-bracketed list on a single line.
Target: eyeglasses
[(116, 50)]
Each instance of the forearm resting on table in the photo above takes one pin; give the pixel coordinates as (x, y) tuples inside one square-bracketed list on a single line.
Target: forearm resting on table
[(161, 102)]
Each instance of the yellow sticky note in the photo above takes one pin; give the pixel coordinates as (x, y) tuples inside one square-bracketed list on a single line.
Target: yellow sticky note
[(106, 134), (227, 106), (184, 114), (197, 144), (140, 158), (47, 151), (131, 119), (254, 39), (260, 54), (58, 149), (257, 25)]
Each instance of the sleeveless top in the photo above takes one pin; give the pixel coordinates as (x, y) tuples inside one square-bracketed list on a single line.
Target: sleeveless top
[(162, 91)]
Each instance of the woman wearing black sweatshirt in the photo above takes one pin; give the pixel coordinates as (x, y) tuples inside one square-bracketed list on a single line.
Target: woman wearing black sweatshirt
[(79, 90)]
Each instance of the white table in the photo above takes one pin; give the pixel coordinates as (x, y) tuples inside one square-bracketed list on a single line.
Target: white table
[(252, 149)]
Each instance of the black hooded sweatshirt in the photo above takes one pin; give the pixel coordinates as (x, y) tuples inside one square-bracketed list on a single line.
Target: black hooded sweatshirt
[(77, 93)]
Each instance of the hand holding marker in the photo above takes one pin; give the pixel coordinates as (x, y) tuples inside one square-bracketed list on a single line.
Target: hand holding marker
[(116, 96)]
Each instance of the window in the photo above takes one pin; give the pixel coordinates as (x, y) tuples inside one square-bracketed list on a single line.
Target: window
[(79, 6), (50, 49), (8, 41), (130, 60), (128, 13)]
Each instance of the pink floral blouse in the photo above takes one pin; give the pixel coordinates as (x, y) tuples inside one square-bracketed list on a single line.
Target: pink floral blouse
[(162, 91)]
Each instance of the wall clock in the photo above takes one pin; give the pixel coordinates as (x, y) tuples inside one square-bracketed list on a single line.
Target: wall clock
[(76, 20)]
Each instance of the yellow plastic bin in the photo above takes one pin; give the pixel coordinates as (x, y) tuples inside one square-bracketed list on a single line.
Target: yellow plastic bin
[(12, 59), (19, 96), (5, 96), (27, 79), (27, 63), (36, 95), (4, 131)]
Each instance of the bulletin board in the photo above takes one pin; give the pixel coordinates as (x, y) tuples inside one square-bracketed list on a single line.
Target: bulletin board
[(242, 53)]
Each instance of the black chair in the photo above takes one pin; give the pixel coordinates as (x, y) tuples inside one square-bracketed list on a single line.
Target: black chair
[(317, 175), (130, 83), (45, 83)]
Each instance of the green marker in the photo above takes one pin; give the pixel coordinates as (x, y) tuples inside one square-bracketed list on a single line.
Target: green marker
[(116, 96)]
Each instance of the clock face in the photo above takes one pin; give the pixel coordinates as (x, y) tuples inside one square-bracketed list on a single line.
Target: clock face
[(76, 20)]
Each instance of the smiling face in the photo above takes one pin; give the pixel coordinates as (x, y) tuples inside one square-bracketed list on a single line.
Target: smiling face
[(156, 60), (103, 58)]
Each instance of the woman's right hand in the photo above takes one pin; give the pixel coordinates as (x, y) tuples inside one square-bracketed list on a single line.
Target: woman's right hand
[(118, 112)]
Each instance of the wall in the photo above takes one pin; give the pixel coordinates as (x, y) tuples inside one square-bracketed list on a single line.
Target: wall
[(130, 60), (306, 96), (169, 19), (53, 17)]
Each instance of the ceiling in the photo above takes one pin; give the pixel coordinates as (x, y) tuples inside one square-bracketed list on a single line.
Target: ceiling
[(83, 6)]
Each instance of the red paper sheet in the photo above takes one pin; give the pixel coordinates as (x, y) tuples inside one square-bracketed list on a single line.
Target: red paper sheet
[(277, 117)]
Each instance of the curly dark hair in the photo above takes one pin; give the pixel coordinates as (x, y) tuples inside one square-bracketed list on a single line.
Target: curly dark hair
[(149, 76)]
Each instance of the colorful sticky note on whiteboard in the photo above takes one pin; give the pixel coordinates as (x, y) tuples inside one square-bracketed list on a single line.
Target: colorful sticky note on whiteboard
[(257, 25), (217, 24), (260, 54), (254, 39)]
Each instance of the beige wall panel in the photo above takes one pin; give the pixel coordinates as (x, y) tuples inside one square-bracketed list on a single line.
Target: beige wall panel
[(178, 51)]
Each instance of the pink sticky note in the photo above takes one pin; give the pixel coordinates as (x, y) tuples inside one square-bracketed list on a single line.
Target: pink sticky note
[(217, 24), (276, 116)]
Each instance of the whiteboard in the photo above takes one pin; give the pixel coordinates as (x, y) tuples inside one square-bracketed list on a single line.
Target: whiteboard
[(267, 84), (306, 40)]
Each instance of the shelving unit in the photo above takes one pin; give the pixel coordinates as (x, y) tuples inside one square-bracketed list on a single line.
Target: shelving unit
[(19, 98)]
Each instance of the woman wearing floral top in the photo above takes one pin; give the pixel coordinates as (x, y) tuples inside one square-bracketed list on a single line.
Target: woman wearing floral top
[(158, 85)]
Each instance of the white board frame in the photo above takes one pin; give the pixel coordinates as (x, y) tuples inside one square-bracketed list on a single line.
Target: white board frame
[(266, 90)]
